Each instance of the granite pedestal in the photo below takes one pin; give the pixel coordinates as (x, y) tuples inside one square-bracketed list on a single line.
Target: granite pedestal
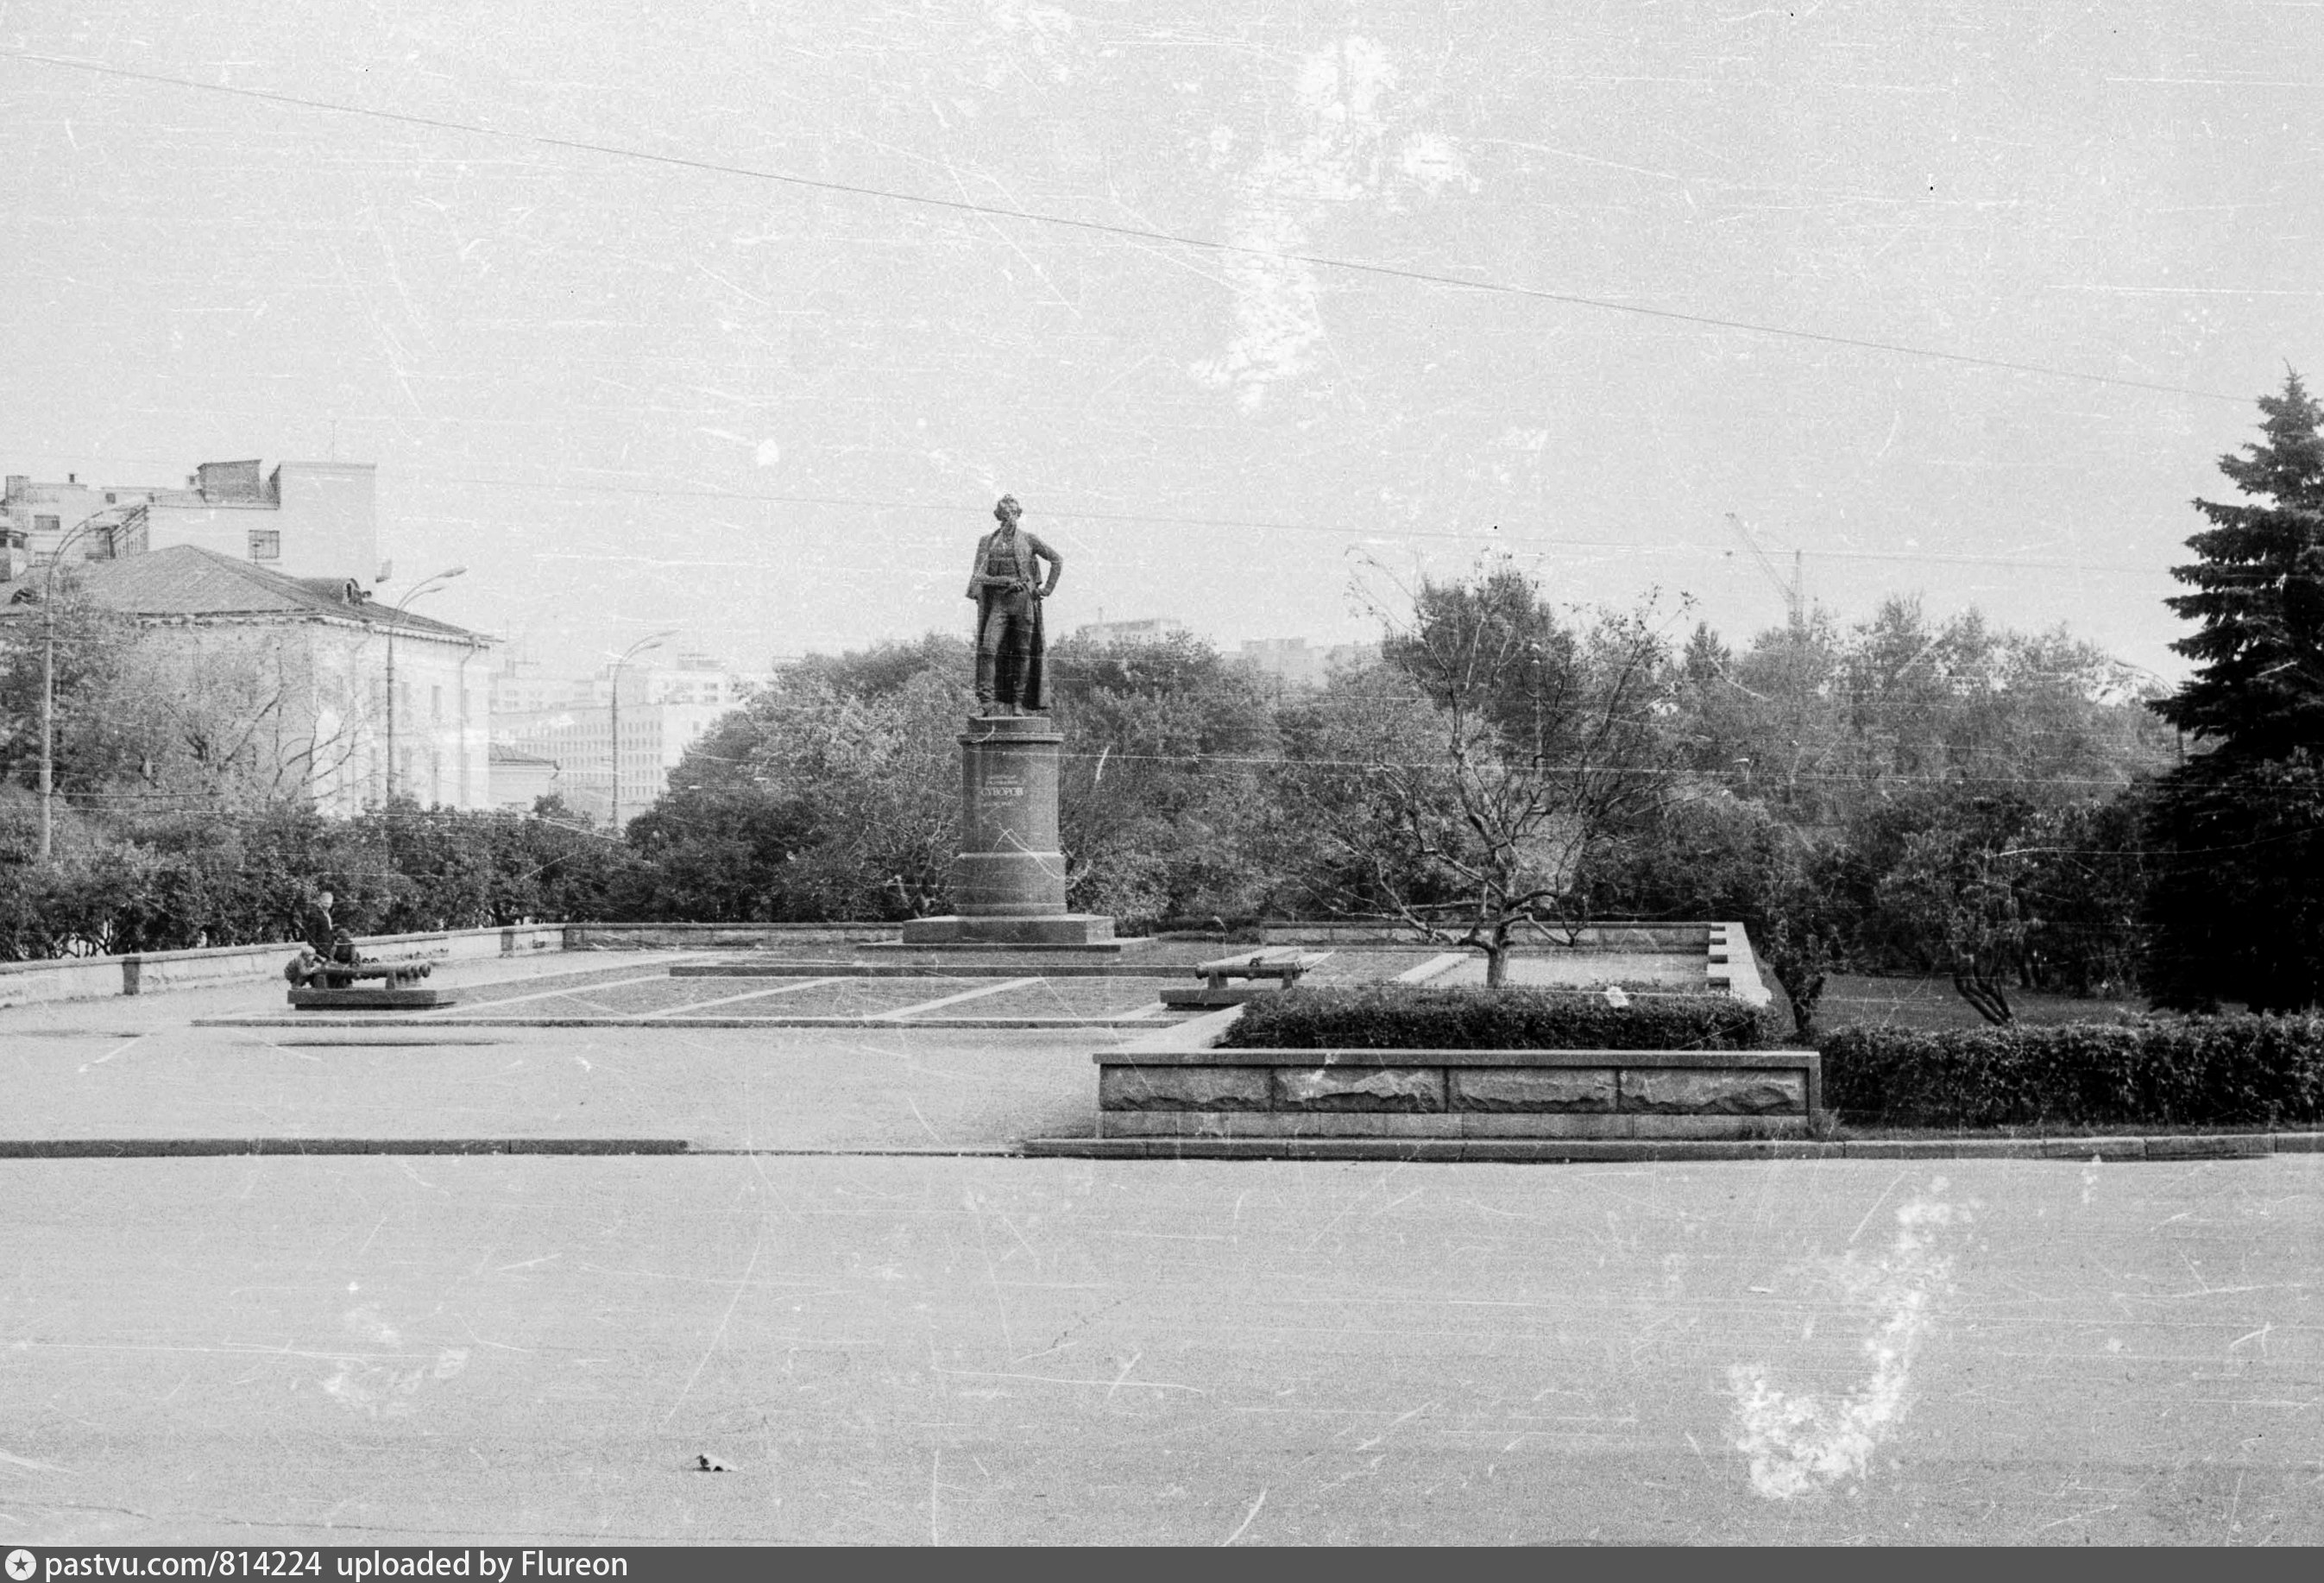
[(1008, 879)]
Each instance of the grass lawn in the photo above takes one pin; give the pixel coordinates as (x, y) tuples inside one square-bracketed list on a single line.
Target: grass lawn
[(1934, 1004)]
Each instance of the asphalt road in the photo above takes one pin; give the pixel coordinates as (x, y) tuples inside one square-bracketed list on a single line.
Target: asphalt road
[(374, 1350)]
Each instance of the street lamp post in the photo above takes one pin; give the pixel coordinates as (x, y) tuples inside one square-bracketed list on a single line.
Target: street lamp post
[(49, 683), (425, 585), (638, 647)]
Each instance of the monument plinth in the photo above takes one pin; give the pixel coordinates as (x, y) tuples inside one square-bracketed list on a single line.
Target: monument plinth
[(1008, 877)]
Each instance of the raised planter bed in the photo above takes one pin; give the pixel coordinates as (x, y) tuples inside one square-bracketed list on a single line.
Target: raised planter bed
[(1181, 1082), (1144, 1091)]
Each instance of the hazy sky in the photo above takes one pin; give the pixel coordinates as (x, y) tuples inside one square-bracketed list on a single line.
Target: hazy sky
[(697, 390)]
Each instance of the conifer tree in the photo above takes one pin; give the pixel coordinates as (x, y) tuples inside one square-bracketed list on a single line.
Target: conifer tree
[(2235, 911), (2258, 690)]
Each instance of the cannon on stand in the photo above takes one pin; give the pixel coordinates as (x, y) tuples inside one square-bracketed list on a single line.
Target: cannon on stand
[(335, 982)]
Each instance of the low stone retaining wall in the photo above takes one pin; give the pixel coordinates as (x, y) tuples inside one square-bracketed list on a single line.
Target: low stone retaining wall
[(1178, 1083), (718, 937), (149, 972), (1596, 937), (1733, 968)]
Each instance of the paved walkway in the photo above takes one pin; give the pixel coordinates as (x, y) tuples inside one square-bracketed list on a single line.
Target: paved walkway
[(142, 1067), (885, 1342)]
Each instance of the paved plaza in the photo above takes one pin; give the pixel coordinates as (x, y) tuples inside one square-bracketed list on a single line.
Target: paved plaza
[(851, 1295)]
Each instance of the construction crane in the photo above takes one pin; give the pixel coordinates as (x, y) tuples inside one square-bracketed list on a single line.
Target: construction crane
[(1794, 592)]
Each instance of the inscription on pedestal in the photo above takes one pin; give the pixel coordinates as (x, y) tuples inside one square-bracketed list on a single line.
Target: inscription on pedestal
[(1009, 864)]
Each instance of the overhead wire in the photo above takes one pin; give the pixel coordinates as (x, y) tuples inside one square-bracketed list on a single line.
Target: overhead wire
[(1147, 234), (1108, 229), (1494, 534), (1491, 535)]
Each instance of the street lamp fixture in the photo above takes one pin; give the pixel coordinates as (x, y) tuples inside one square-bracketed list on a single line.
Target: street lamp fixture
[(651, 641), (425, 585)]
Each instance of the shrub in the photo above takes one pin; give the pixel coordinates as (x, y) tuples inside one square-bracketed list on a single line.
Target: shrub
[(2235, 1070), (1394, 1017), (166, 884)]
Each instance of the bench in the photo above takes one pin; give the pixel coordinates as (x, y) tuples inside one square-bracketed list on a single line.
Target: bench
[(1232, 980)]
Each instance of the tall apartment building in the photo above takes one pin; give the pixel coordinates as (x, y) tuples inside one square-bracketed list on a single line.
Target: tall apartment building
[(665, 709), (1148, 629), (1293, 664)]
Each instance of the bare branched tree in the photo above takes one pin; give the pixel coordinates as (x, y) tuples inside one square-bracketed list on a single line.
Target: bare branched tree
[(1463, 788)]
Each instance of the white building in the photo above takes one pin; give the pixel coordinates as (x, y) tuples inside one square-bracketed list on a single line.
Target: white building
[(517, 779), (328, 696)]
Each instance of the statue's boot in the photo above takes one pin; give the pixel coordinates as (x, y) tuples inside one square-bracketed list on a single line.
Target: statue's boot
[(984, 682), (1011, 669)]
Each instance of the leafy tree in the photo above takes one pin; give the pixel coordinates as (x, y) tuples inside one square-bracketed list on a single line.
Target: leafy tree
[(224, 719), (1342, 787), (2084, 892), (95, 741), (883, 670), (1964, 891), (1825, 723), (1713, 856), (1762, 721), (812, 803), (1160, 792)]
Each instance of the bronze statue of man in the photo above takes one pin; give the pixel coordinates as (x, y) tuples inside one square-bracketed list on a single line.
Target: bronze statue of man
[(1006, 585)]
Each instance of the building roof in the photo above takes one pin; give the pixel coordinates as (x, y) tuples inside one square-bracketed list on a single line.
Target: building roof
[(186, 579), (497, 752)]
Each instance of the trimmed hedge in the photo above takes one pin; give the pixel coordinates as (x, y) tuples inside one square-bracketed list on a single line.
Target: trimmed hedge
[(1394, 1018), (2233, 1071)]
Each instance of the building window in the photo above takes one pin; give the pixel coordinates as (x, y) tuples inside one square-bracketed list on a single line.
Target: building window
[(435, 703), (265, 544), (47, 524)]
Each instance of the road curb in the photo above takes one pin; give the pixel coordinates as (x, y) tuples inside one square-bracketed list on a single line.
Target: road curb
[(428, 1020), (1438, 1150), (194, 1148), (1628, 1150)]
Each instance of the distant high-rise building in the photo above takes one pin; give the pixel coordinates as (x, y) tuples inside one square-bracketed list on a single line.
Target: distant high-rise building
[(1293, 662), (665, 709), (1150, 629)]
